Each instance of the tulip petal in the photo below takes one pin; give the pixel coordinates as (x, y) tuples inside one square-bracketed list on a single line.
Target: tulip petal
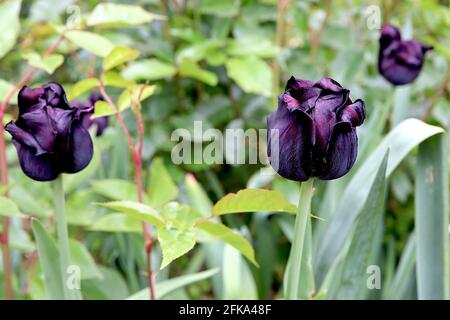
[(79, 149), (56, 96), (290, 141), (28, 97), (39, 124), (43, 167), (354, 113), (341, 152), (23, 137)]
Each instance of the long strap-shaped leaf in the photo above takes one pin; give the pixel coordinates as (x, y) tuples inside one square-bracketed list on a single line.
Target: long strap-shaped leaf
[(431, 218), (401, 140)]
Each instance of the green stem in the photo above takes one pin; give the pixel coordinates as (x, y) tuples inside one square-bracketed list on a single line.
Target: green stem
[(294, 266), (63, 238)]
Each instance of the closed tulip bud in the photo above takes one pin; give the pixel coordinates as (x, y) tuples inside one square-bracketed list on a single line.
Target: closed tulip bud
[(400, 61), (48, 134), (312, 132)]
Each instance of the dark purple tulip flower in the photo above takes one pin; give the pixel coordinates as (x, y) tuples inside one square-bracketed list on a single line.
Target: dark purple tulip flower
[(100, 123), (400, 61), (312, 132), (48, 134)]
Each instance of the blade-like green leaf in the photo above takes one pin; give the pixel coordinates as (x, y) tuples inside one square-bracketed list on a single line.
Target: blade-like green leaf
[(401, 140), (165, 287), (136, 210), (80, 256), (253, 200), (199, 199), (227, 235), (431, 220), (49, 259), (353, 282), (161, 188), (115, 189)]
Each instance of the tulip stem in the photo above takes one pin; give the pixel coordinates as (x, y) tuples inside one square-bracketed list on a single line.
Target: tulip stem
[(63, 238), (294, 265)]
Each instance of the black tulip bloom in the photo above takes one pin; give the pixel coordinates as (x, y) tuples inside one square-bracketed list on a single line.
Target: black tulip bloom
[(87, 121), (312, 132), (48, 134), (400, 61)]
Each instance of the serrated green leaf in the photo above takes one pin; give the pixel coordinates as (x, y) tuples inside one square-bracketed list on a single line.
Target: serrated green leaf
[(227, 235), (49, 64), (117, 222), (81, 87), (136, 210), (114, 14), (103, 109), (148, 69), (90, 41), (114, 79), (252, 74), (119, 55), (9, 24), (174, 243), (199, 199), (253, 200), (161, 188), (9, 208)]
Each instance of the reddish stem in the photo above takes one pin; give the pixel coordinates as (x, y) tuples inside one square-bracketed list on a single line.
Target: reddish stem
[(4, 236), (137, 161)]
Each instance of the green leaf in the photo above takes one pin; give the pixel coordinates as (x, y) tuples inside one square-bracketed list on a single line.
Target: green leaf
[(81, 257), (124, 101), (113, 14), (431, 220), (49, 259), (119, 55), (89, 41), (9, 24), (199, 199), (81, 87), (174, 243), (161, 188), (238, 281), (252, 74), (353, 282), (111, 286), (227, 235), (9, 208), (163, 288), (117, 222), (253, 200), (114, 79), (401, 140), (189, 68), (252, 46), (49, 64), (103, 109), (220, 8), (136, 210), (115, 189), (148, 69), (5, 87)]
